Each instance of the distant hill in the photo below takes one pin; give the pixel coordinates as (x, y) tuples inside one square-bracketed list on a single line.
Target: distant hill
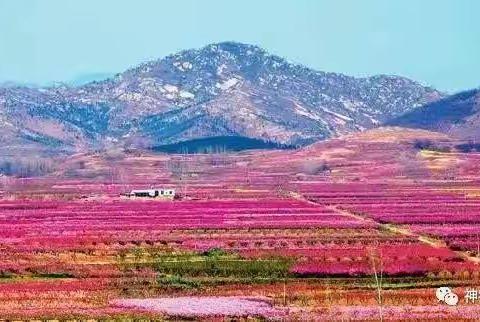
[(218, 144), (224, 89), (457, 115)]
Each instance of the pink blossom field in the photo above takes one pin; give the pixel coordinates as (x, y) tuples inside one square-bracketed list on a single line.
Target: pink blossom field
[(253, 236)]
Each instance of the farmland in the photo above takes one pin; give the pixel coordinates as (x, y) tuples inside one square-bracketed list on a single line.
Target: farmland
[(357, 228)]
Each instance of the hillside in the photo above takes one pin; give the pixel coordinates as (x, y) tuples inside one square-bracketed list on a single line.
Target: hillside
[(457, 115), (225, 89)]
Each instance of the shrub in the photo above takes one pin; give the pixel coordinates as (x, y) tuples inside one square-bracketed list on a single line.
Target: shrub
[(425, 144), (177, 282), (468, 147), (315, 167)]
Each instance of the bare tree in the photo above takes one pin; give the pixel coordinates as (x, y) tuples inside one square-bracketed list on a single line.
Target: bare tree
[(26, 167), (247, 173), (5, 183), (179, 168), (478, 246), (376, 263)]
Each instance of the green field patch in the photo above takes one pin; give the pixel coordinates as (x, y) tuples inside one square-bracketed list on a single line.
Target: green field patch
[(212, 263)]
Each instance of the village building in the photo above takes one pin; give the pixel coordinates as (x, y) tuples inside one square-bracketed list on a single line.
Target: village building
[(153, 193)]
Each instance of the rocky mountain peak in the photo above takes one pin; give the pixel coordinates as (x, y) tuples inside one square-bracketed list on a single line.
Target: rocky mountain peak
[(223, 89)]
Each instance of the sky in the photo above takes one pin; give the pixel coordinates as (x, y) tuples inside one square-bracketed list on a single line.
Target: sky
[(435, 42)]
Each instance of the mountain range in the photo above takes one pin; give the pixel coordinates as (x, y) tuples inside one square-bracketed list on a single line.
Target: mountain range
[(221, 90)]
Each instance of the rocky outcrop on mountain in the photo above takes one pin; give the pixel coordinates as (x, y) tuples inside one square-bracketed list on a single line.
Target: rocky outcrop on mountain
[(224, 89)]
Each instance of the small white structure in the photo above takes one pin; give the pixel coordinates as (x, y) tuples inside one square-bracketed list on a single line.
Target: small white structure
[(153, 193)]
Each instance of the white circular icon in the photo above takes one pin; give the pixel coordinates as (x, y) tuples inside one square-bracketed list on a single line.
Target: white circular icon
[(451, 299), (442, 292), (446, 295)]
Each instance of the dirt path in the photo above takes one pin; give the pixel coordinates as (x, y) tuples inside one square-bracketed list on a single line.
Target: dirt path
[(431, 241)]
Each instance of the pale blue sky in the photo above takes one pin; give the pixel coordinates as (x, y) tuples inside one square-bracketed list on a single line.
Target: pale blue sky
[(436, 42)]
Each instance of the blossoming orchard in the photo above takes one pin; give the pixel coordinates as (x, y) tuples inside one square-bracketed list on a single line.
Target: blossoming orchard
[(274, 235)]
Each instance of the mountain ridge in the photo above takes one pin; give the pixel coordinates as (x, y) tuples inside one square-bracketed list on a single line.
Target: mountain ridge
[(221, 89), (457, 115)]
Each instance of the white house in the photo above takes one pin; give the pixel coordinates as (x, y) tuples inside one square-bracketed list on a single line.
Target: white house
[(153, 193)]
